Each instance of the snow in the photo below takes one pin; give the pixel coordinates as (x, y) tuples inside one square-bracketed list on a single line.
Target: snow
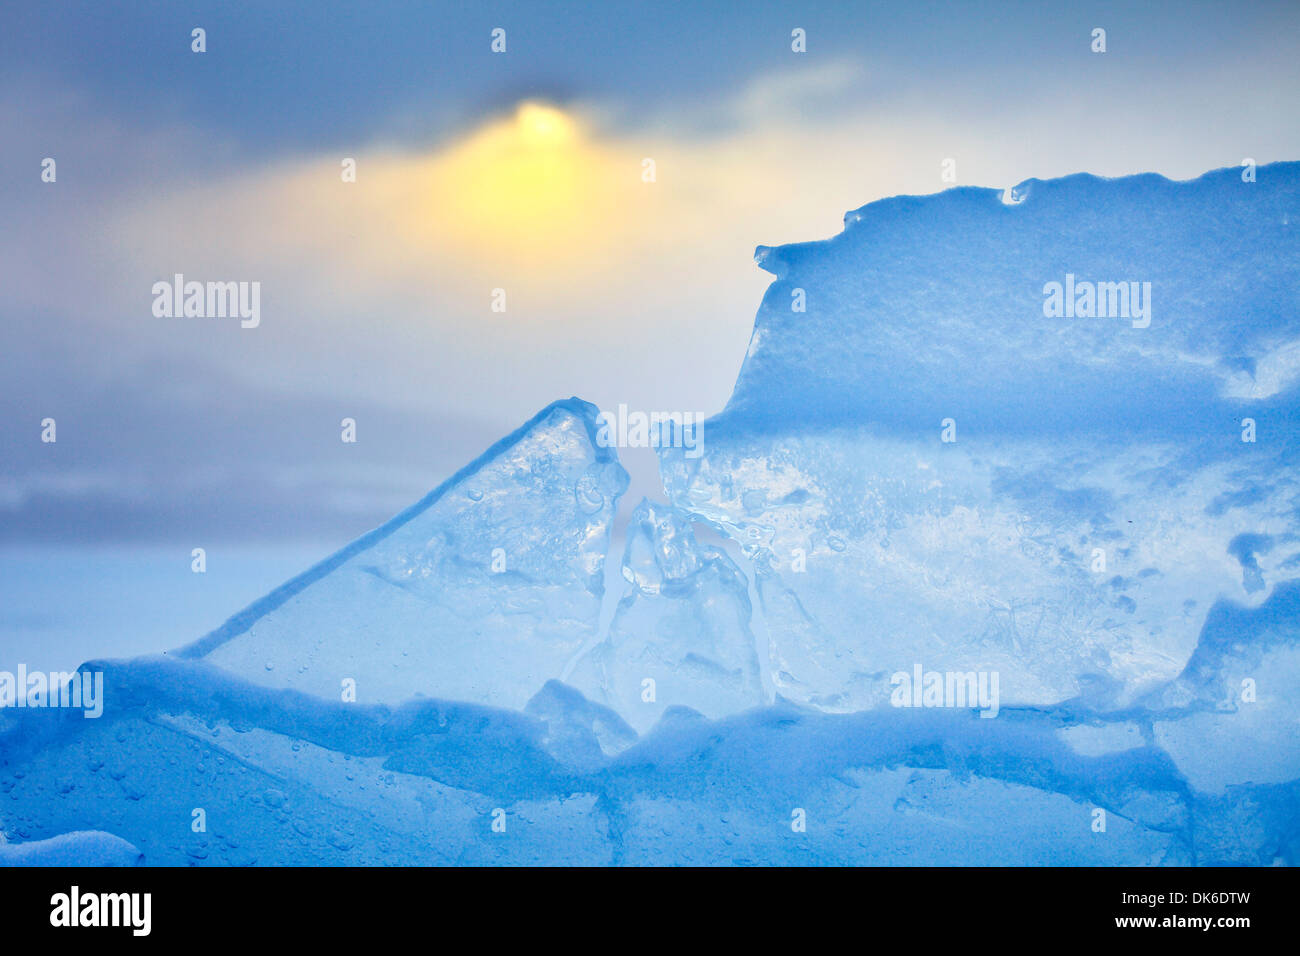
[(82, 848)]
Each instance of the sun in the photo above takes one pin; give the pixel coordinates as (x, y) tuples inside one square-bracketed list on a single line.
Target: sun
[(528, 181), (542, 126)]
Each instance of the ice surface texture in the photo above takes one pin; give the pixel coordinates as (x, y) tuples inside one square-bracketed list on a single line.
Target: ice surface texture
[(1095, 497), (72, 849), (456, 687), (681, 635), (480, 592)]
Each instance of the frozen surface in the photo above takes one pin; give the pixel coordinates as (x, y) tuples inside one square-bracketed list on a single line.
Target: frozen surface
[(480, 592), (72, 849), (289, 778), (924, 467), (1073, 568), (926, 307), (680, 636), (1099, 538)]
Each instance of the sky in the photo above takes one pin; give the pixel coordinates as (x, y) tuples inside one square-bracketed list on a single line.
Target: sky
[(476, 171)]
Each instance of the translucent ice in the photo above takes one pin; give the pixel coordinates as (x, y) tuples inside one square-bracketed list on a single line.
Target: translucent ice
[(480, 592), (938, 463), (680, 636)]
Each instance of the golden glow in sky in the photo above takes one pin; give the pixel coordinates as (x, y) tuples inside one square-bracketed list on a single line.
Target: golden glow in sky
[(532, 183), (544, 127)]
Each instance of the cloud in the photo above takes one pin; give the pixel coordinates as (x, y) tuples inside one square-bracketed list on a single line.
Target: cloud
[(377, 294)]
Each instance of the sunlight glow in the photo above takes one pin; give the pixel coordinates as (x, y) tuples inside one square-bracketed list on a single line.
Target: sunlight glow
[(532, 182)]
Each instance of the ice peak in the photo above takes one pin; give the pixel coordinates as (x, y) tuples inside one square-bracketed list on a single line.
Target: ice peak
[(502, 562)]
